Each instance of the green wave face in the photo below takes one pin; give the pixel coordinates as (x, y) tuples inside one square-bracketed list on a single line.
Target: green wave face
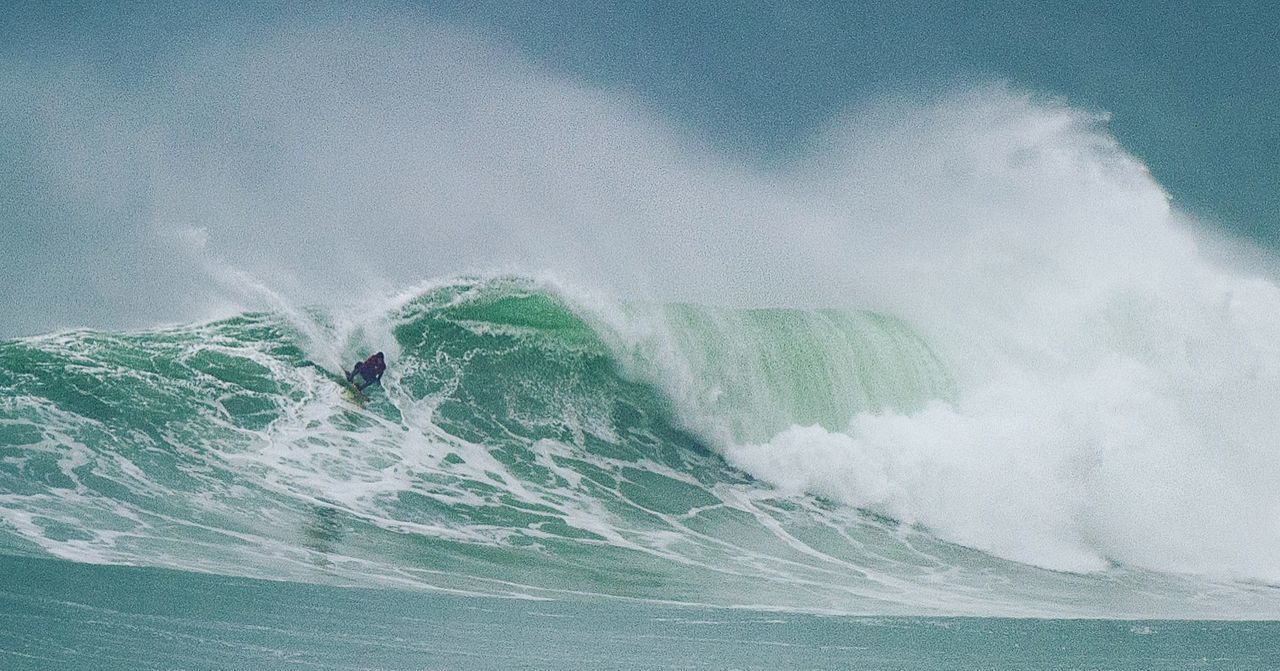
[(520, 444), (756, 372)]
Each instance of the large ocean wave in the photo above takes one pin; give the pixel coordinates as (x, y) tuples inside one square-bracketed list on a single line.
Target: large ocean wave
[(529, 441)]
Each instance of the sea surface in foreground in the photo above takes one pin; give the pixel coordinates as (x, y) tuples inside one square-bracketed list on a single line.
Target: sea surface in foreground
[(65, 615)]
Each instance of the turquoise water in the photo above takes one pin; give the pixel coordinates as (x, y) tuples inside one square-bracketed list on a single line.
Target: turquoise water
[(63, 615), (581, 460), (879, 337)]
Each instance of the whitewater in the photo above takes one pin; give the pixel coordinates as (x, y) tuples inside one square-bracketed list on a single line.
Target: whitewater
[(807, 430), (1036, 390), (944, 380), (528, 444)]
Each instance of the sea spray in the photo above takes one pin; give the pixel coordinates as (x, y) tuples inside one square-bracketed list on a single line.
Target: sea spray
[(1115, 384)]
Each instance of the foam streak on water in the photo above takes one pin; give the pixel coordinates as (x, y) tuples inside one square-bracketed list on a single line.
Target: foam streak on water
[(523, 443)]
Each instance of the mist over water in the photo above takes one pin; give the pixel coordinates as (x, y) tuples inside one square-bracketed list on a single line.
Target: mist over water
[(1055, 371), (1115, 384)]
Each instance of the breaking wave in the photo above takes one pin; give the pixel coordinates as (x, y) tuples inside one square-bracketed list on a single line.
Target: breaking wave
[(528, 441)]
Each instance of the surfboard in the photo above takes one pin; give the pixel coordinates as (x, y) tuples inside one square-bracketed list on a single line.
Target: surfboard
[(349, 388), (356, 395)]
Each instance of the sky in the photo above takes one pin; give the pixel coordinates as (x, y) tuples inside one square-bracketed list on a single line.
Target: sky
[(153, 152)]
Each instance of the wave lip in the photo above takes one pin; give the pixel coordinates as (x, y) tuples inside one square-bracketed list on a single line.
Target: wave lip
[(750, 373)]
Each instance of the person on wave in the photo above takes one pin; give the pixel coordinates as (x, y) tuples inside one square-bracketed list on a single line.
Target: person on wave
[(367, 372)]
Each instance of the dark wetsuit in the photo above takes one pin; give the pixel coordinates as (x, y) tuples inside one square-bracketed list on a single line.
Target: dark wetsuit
[(369, 371)]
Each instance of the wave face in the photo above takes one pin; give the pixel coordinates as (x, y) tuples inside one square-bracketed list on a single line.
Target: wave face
[(523, 444)]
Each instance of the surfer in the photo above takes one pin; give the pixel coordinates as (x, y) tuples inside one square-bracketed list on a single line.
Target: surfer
[(367, 372)]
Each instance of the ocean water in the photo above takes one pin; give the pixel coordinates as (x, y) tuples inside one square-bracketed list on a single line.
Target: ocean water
[(950, 381), (76, 616), (547, 480)]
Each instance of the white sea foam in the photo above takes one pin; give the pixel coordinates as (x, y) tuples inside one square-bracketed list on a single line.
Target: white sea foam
[(1115, 386), (1111, 388)]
